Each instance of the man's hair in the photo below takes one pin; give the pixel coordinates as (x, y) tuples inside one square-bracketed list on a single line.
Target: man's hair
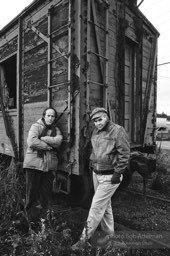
[(45, 110)]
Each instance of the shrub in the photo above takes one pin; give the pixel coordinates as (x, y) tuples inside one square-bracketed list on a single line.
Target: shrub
[(58, 230), (161, 179)]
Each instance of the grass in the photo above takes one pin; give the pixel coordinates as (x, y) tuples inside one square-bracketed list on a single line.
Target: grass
[(58, 229), (61, 225)]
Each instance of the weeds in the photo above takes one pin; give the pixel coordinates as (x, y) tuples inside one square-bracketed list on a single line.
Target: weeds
[(58, 229), (161, 179)]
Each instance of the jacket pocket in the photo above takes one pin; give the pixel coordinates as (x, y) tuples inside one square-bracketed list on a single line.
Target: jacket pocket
[(52, 162), (33, 162)]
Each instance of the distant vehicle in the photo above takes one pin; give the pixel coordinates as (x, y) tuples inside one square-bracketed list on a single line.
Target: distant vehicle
[(162, 133), (163, 129)]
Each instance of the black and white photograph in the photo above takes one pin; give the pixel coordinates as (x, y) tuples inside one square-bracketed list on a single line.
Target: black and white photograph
[(84, 128)]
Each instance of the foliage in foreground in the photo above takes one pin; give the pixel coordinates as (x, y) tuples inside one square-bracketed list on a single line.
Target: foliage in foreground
[(161, 179), (59, 228)]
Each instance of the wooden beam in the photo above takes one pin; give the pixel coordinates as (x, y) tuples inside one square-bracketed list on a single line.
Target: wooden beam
[(69, 73), (19, 94), (88, 60), (150, 84), (46, 39), (49, 59), (7, 124)]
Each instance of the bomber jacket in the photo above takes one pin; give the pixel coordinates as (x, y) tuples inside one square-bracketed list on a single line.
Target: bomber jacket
[(41, 152), (110, 148)]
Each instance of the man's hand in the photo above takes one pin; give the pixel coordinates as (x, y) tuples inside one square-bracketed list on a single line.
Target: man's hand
[(115, 178), (43, 138), (49, 148)]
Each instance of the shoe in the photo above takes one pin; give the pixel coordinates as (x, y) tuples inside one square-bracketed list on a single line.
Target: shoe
[(80, 245), (39, 207), (110, 238), (102, 241)]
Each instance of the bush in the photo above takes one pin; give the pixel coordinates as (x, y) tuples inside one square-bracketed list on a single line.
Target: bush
[(161, 179), (58, 229), (11, 194), (11, 189)]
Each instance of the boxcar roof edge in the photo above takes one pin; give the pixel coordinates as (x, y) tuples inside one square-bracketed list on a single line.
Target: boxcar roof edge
[(15, 20)]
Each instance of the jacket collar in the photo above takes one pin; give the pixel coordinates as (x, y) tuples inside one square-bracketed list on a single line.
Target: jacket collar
[(105, 128)]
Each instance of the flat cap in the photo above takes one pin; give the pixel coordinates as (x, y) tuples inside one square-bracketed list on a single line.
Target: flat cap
[(97, 112)]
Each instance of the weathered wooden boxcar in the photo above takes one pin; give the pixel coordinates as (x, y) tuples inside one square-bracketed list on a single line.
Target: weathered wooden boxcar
[(75, 55)]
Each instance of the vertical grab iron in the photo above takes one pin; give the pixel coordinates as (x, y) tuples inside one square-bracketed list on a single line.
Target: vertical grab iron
[(91, 8), (64, 55), (69, 71), (49, 57)]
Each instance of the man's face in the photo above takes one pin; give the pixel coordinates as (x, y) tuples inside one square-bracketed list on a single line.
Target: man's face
[(101, 121), (49, 116)]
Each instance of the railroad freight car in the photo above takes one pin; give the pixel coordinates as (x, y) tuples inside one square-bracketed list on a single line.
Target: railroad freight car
[(75, 55)]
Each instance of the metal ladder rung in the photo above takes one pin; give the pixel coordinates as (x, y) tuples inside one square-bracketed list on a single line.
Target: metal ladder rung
[(57, 85), (93, 82), (58, 57), (95, 24), (99, 55), (57, 30)]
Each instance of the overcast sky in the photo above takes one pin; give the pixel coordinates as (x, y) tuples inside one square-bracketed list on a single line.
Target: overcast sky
[(9, 9), (157, 11)]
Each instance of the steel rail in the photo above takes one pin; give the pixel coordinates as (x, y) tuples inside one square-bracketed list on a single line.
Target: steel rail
[(149, 196)]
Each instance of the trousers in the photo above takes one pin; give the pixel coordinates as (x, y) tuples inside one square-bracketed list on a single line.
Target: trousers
[(38, 192), (101, 209)]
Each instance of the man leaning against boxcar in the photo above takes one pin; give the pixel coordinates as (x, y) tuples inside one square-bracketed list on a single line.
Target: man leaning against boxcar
[(109, 159), (41, 162)]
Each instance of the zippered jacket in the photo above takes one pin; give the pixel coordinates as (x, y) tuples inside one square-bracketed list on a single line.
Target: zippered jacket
[(110, 148), (41, 153)]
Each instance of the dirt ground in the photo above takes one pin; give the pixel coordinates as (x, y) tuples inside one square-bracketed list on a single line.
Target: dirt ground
[(143, 214), (62, 225)]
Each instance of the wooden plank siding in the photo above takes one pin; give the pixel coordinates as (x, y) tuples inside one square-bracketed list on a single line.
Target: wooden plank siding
[(80, 65)]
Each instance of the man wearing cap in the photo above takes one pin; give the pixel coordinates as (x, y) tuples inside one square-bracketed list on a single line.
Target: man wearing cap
[(109, 158)]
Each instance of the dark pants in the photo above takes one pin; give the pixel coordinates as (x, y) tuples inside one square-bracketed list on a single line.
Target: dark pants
[(38, 192)]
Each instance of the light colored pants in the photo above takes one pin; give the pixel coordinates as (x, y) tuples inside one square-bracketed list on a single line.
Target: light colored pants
[(101, 209)]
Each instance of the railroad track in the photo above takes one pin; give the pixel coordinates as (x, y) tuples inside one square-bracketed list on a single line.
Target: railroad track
[(134, 239), (147, 195), (137, 240), (155, 240)]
